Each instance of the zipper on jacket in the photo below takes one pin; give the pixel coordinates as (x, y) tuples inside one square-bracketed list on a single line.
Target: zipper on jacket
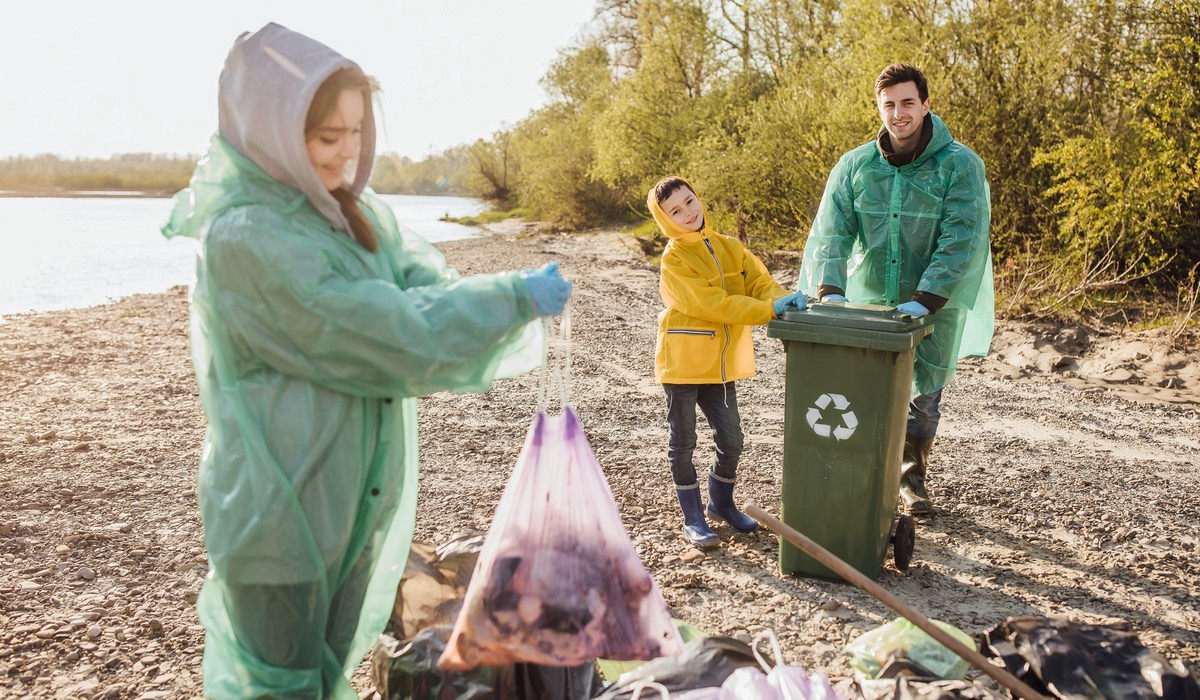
[(724, 326), (691, 331)]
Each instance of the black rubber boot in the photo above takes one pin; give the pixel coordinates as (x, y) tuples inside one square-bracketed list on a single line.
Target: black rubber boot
[(695, 528), (720, 505), (912, 475)]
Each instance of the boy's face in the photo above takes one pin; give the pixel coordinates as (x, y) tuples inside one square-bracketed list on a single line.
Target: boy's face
[(903, 112), (684, 209)]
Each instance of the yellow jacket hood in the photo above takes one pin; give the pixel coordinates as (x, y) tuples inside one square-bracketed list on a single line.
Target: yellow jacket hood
[(672, 230)]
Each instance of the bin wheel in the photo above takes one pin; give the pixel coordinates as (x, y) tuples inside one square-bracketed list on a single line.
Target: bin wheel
[(903, 542)]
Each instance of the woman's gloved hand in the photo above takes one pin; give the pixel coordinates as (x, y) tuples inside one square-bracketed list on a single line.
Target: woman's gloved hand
[(834, 297), (548, 289), (913, 308), (796, 301)]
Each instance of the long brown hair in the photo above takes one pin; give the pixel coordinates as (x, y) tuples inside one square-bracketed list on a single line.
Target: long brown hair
[(324, 103)]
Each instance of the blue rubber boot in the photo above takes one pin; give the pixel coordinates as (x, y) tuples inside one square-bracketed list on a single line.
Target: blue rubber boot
[(694, 527), (720, 505)]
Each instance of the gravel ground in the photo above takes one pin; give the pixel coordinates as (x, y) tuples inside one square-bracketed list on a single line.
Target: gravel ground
[(1065, 476)]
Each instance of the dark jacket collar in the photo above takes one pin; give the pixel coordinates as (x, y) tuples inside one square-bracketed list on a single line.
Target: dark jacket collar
[(898, 159)]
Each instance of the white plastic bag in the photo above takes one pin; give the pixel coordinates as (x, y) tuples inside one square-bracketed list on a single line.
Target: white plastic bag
[(791, 682)]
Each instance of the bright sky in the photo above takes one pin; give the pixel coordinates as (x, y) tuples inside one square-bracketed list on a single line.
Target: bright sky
[(86, 78)]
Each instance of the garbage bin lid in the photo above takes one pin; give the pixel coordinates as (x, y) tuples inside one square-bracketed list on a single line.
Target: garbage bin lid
[(871, 317), (852, 325)]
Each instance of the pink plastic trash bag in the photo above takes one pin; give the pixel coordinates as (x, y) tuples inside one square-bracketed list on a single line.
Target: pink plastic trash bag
[(558, 582)]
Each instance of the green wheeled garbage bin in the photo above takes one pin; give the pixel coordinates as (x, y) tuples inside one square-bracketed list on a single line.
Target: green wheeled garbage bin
[(848, 377)]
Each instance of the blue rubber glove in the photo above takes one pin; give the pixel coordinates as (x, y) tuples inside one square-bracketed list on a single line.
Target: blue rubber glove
[(548, 289), (834, 297), (913, 308), (796, 301)]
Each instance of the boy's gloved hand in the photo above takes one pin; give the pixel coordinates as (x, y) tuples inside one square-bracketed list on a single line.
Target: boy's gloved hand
[(795, 300), (548, 289), (913, 308), (834, 297)]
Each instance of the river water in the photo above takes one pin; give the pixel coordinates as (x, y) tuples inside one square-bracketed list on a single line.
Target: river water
[(59, 253)]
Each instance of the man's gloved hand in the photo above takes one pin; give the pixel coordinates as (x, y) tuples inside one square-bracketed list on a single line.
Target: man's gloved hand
[(548, 289), (796, 301), (834, 297), (913, 308)]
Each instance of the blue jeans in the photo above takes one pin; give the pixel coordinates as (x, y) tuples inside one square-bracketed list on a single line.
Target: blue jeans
[(924, 412), (719, 404)]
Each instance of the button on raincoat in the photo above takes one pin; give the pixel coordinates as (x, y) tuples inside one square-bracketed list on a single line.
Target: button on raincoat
[(714, 290), (309, 351), (883, 232)]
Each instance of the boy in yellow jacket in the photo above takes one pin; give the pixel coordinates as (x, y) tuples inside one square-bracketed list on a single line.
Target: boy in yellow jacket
[(714, 290)]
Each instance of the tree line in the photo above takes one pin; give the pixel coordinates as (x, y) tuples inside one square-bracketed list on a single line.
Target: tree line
[(1084, 111), (159, 174)]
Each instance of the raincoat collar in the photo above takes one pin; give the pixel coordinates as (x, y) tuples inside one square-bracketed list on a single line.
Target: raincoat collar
[(940, 139), (265, 89), (672, 230)]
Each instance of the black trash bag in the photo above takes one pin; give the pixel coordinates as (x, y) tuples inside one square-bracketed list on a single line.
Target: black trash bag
[(704, 663), (403, 670), (1075, 660)]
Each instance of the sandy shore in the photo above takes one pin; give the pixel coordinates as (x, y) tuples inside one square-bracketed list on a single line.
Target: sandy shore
[(1067, 476)]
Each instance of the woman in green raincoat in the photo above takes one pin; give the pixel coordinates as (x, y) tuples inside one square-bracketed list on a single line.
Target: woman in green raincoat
[(904, 222), (315, 323)]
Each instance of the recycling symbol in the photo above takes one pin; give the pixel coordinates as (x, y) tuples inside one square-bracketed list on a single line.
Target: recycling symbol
[(849, 422)]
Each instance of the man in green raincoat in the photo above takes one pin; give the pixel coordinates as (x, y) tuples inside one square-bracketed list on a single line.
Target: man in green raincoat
[(904, 222), (316, 321)]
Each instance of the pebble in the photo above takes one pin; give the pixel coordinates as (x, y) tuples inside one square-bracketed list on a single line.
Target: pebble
[(85, 573), (94, 632), (30, 586)]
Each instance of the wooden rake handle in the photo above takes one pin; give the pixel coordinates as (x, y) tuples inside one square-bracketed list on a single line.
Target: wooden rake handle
[(841, 568)]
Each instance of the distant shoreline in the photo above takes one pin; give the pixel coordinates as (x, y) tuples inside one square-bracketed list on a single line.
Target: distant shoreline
[(156, 194), (84, 194)]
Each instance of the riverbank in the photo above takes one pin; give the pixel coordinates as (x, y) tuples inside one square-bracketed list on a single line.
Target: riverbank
[(78, 194), (1058, 494)]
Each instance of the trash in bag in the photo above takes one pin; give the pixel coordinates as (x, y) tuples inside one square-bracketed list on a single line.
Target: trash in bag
[(403, 670), (704, 663), (558, 581), (901, 639), (1067, 659), (427, 603)]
